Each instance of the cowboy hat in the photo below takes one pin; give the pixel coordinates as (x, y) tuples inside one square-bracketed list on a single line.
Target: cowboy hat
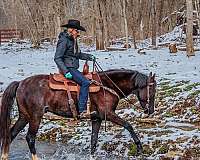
[(72, 23)]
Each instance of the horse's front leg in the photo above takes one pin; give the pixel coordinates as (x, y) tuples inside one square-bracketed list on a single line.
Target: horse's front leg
[(117, 120), (94, 137)]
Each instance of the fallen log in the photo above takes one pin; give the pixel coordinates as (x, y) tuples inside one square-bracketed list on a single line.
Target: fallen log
[(184, 49), (115, 49), (53, 117), (148, 120)]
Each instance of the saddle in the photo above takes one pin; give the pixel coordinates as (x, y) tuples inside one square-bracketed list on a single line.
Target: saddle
[(58, 82)]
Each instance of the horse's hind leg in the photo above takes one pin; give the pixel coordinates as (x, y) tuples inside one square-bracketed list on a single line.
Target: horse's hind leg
[(5, 149), (117, 120), (31, 135), (18, 126), (95, 130)]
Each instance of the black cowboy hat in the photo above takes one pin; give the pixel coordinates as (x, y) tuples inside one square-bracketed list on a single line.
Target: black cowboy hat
[(72, 23)]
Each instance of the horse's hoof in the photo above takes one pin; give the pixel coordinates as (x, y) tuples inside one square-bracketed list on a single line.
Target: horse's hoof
[(94, 116), (93, 149), (139, 149), (92, 152), (92, 157), (4, 157)]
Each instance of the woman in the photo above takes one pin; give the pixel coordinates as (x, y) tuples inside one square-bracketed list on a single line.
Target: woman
[(67, 59)]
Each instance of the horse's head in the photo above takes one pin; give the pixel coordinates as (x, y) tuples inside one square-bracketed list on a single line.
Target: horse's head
[(145, 93)]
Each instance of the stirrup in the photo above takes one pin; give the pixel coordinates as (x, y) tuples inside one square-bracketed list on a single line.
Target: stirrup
[(86, 115)]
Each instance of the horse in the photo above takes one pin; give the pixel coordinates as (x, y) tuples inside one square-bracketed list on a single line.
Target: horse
[(34, 98)]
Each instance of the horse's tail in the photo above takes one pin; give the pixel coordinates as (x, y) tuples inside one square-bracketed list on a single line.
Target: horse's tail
[(5, 111)]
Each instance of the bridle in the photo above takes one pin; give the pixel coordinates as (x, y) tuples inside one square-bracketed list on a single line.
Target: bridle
[(149, 84), (97, 67), (135, 90), (125, 96), (147, 101)]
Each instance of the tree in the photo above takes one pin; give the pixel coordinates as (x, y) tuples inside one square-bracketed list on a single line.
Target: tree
[(125, 22), (154, 24), (103, 19), (189, 29)]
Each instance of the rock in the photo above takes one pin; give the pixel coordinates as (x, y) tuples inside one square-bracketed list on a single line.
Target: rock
[(125, 46), (147, 150), (141, 51), (192, 153)]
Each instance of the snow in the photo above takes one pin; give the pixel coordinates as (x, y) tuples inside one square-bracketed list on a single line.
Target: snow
[(19, 61)]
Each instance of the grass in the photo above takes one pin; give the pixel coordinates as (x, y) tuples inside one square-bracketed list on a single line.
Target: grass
[(163, 149), (133, 150), (191, 86)]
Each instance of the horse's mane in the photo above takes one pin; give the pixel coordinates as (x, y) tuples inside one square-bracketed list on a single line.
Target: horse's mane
[(139, 78), (117, 71)]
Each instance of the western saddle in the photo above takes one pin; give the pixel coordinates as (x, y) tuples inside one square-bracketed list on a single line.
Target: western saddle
[(57, 81)]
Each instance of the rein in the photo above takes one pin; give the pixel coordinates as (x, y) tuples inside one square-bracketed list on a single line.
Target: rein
[(99, 67)]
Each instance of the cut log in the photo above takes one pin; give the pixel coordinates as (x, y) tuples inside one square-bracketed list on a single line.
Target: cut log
[(172, 48)]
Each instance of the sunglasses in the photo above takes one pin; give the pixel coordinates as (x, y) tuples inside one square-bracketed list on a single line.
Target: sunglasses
[(76, 30)]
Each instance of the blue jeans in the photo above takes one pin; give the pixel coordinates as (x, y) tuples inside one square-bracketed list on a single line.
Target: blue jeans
[(78, 77)]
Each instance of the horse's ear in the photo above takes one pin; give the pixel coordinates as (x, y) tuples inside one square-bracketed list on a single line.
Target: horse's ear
[(150, 74), (154, 75)]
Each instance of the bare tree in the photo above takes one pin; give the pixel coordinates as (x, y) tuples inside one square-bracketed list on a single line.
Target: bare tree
[(189, 29), (125, 22), (104, 19), (154, 24)]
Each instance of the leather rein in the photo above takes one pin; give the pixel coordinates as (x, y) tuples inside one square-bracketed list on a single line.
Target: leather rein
[(98, 68)]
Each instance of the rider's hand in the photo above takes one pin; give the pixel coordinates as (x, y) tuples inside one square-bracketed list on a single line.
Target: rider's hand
[(93, 58), (68, 75)]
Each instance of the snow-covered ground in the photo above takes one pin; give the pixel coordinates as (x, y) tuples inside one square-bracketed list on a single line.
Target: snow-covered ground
[(176, 134), (18, 64)]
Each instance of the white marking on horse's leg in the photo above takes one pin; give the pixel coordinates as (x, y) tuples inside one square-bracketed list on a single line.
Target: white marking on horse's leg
[(4, 153), (4, 156), (34, 157)]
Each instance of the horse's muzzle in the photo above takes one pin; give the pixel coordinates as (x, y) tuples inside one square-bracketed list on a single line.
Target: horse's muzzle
[(148, 109)]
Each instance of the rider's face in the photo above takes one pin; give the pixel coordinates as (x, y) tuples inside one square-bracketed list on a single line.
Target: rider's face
[(75, 33)]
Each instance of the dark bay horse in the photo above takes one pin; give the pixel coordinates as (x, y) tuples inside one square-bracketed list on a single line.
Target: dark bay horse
[(34, 98)]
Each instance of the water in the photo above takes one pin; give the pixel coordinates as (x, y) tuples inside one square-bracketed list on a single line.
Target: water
[(19, 150), (55, 151)]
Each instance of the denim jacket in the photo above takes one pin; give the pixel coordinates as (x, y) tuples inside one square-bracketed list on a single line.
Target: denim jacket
[(67, 54)]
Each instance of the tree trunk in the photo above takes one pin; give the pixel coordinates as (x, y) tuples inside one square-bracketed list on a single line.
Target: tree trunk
[(58, 24), (100, 28), (94, 20), (160, 16), (141, 30), (154, 23), (125, 22), (189, 29), (105, 22)]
